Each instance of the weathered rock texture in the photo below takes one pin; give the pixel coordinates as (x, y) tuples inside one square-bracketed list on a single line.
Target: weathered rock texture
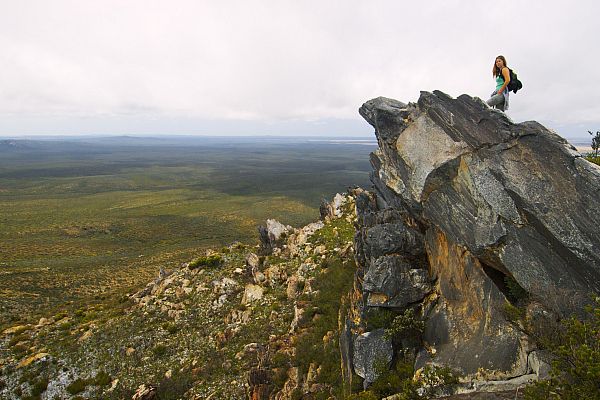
[(468, 207)]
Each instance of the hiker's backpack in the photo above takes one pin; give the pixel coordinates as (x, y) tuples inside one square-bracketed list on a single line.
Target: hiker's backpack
[(515, 84)]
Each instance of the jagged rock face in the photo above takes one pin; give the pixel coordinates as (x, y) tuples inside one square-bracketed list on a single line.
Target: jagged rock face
[(483, 200), (518, 196)]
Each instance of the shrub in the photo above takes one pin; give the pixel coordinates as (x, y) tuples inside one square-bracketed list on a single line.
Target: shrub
[(159, 350), (405, 325), (379, 317), (335, 282), (102, 379), (39, 387), (575, 372), (595, 142), (16, 339), (170, 327), (20, 349), (206, 261), (389, 383), (366, 395), (516, 293), (512, 313), (174, 387), (434, 376), (77, 386)]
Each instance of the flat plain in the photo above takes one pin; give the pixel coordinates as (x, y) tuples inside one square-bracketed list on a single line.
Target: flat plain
[(90, 219)]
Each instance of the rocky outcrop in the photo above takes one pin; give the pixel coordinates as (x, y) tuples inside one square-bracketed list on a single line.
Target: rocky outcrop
[(273, 235), (470, 211)]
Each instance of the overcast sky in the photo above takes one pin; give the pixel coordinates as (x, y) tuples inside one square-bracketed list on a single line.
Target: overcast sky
[(284, 67)]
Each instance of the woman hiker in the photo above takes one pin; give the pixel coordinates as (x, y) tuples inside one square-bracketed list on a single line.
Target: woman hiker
[(500, 71)]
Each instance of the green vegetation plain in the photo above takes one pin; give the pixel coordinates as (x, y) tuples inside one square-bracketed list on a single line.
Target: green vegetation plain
[(88, 219)]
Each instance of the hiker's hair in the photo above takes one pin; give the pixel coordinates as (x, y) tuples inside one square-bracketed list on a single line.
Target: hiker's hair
[(495, 70)]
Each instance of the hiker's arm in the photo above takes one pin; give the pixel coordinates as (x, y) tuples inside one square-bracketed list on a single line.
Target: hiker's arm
[(506, 76)]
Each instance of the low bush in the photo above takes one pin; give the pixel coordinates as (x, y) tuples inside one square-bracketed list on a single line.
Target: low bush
[(206, 261), (335, 282), (575, 346), (405, 325), (433, 377), (379, 317), (170, 327), (516, 294), (175, 387), (512, 313), (102, 379), (39, 387), (77, 386), (159, 350)]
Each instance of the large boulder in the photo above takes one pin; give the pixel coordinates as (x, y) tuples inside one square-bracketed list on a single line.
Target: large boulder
[(468, 211), (372, 354), (518, 196)]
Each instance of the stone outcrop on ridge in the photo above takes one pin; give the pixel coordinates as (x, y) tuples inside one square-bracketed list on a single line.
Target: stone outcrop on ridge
[(468, 210)]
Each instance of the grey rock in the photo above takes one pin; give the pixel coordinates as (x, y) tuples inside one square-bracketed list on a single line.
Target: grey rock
[(372, 352), (252, 293), (516, 195), (272, 236), (392, 238), (277, 231), (392, 282), (253, 261), (465, 200), (540, 364)]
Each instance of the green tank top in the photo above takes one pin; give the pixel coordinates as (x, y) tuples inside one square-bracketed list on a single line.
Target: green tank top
[(499, 81)]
